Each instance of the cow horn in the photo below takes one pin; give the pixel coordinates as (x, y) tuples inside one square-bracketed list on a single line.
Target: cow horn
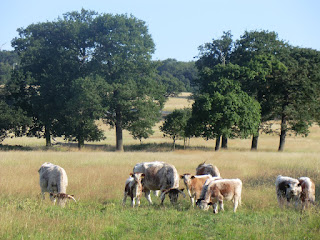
[(181, 191), (71, 197)]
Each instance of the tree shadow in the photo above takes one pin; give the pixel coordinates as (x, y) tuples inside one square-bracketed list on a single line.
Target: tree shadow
[(14, 148)]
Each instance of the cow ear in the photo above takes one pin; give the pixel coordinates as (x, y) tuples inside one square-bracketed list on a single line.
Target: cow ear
[(131, 174), (142, 175), (192, 177), (181, 176)]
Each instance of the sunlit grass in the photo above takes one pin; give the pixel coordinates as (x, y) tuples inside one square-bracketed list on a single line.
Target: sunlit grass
[(97, 175)]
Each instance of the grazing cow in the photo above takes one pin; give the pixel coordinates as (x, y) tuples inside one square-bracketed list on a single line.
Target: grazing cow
[(53, 179), (287, 188), (194, 184), (204, 169), (219, 190), (159, 176), (308, 191), (133, 188)]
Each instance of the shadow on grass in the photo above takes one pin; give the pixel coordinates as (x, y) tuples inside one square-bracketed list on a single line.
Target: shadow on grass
[(65, 147), (14, 148)]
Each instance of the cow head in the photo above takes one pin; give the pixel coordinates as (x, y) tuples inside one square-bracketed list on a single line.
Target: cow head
[(293, 189), (174, 194), (62, 198), (203, 204), (137, 177)]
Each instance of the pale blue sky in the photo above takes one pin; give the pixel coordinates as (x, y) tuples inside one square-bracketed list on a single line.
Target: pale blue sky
[(178, 27)]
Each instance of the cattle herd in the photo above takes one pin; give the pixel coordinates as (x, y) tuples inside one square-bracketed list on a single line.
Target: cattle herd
[(205, 188)]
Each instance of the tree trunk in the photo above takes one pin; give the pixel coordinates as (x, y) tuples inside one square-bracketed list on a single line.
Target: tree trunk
[(174, 143), (80, 143), (119, 139), (254, 143), (217, 147), (47, 135), (283, 132), (224, 142)]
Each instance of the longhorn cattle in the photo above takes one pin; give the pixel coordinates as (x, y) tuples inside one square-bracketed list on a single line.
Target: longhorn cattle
[(217, 191), (133, 188), (159, 176), (54, 180), (194, 184), (288, 189), (308, 191), (204, 169)]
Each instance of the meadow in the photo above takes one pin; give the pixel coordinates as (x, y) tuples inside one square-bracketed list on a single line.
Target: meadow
[(97, 175)]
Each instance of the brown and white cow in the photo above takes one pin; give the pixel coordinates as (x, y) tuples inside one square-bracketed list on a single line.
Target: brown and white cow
[(288, 189), (308, 191), (159, 176), (133, 188), (204, 169), (217, 191), (194, 184)]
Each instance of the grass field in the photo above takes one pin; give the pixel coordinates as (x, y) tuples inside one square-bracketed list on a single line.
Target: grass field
[(97, 175)]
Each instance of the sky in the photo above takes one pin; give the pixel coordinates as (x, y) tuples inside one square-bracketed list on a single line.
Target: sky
[(179, 27)]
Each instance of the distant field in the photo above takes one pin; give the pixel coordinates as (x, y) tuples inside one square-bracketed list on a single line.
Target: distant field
[(97, 175)]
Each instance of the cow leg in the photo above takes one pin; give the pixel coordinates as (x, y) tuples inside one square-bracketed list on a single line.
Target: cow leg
[(192, 201), (235, 206), (138, 201), (162, 197), (124, 198), (132, 201), (147, 195)]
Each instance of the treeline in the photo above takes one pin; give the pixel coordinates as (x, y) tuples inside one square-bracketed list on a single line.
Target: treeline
[(87, 66), (245, 84)]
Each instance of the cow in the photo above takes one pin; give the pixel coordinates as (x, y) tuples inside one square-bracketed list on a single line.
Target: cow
[(204, 169), (159, 176), (217, 191), (54, 180), (308, 191), (288, 188), (133, 188), (194, 184)]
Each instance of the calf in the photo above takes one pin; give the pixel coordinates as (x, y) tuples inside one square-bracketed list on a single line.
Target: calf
[(219, 190), (194, 184), (133, 188), (308, 191), (287, 188), (204, 169)]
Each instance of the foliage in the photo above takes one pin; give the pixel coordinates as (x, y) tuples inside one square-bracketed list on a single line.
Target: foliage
[(8, 61), (175, 124), (222, 108), (177, 76)]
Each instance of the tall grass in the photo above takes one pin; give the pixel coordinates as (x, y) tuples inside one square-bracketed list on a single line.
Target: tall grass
[(97, 175)]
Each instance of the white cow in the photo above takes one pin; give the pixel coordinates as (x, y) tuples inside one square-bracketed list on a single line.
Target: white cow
[(159, 176), (54, 180), (288, 189)]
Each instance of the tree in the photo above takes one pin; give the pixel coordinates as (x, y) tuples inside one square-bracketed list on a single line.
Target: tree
[(123, 57), (223, 109), (82, 110), (53, 55), (285, 81), (8, 62), (178, 76), (12, 120), (175, 124)]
